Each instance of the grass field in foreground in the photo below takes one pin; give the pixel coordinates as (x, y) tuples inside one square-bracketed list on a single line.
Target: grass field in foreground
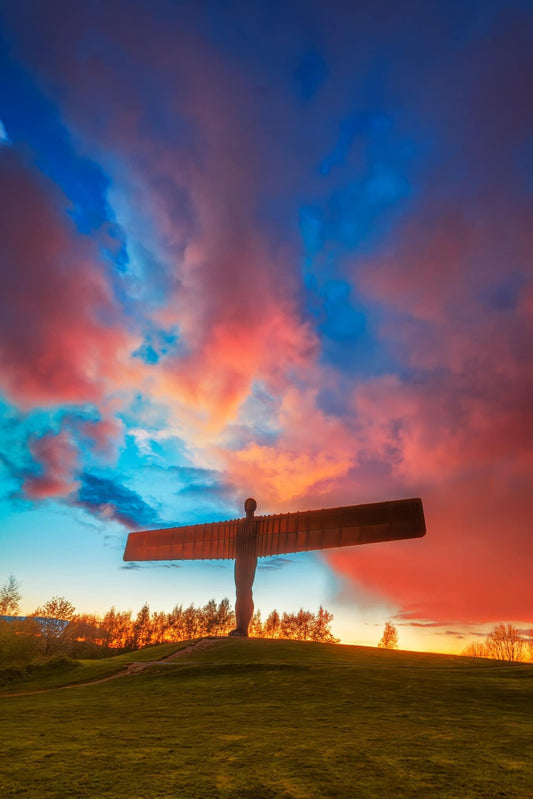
[(256, 719)]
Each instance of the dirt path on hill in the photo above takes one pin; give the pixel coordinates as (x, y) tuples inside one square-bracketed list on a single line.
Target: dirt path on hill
[(132, 668)]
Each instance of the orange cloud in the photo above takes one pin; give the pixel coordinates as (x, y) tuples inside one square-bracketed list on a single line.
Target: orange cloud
[(311, 453)]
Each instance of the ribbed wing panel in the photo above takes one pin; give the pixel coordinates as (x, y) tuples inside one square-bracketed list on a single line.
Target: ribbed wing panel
[(284, 533), (340, 527), (210, 541)]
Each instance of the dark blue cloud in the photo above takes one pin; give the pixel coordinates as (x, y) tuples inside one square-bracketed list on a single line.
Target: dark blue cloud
[(364, 126), (343, 322), (31, 121), (274, 563), (108, 499), (210, 495), (133, 565), (208, 490)]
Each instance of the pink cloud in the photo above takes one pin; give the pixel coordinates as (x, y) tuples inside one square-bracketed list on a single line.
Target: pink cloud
[(57, 456), (457, 427), (60, 334), (195, 200), (105, 434)]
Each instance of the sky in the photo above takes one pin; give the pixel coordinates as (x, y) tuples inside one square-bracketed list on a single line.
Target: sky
[(269, 249)]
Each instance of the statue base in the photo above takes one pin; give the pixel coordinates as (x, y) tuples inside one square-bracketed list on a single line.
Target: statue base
[(238, 633)]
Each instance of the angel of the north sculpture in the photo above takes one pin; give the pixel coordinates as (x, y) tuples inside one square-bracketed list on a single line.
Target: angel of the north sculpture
[(245, 540)]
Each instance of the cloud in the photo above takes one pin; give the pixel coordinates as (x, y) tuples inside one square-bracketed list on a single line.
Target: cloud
[(4, 138), (470, 567), (113, 501), (425, 623), (105, 435), (133, 566), (192, 198), (57, 458), (425, 232), (460, 636), (209, 491), (61, 337), (274, 563), (313, 451), (454, 424)]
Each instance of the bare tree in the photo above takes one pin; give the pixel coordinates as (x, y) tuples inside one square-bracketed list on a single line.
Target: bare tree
[(10, 597), (389, 639), (504, 642), (475, 649)]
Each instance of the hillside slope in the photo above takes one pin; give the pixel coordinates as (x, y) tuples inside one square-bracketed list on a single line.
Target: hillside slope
[(257, 718)]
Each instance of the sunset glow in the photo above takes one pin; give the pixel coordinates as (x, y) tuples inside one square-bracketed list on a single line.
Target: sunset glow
[(271, 250)]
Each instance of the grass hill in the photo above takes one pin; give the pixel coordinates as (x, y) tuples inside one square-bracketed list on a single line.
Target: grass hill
[(258, 719)]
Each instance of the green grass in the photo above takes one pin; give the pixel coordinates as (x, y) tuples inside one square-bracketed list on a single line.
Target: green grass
[(253, 719), (80, 671)]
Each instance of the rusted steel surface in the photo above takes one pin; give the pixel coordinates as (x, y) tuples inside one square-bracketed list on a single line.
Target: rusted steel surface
[(216, 540), (340, 527), (283, 533)]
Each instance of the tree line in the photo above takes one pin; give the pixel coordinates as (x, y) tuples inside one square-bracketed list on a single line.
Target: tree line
[(55, 627), (504, 642)]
